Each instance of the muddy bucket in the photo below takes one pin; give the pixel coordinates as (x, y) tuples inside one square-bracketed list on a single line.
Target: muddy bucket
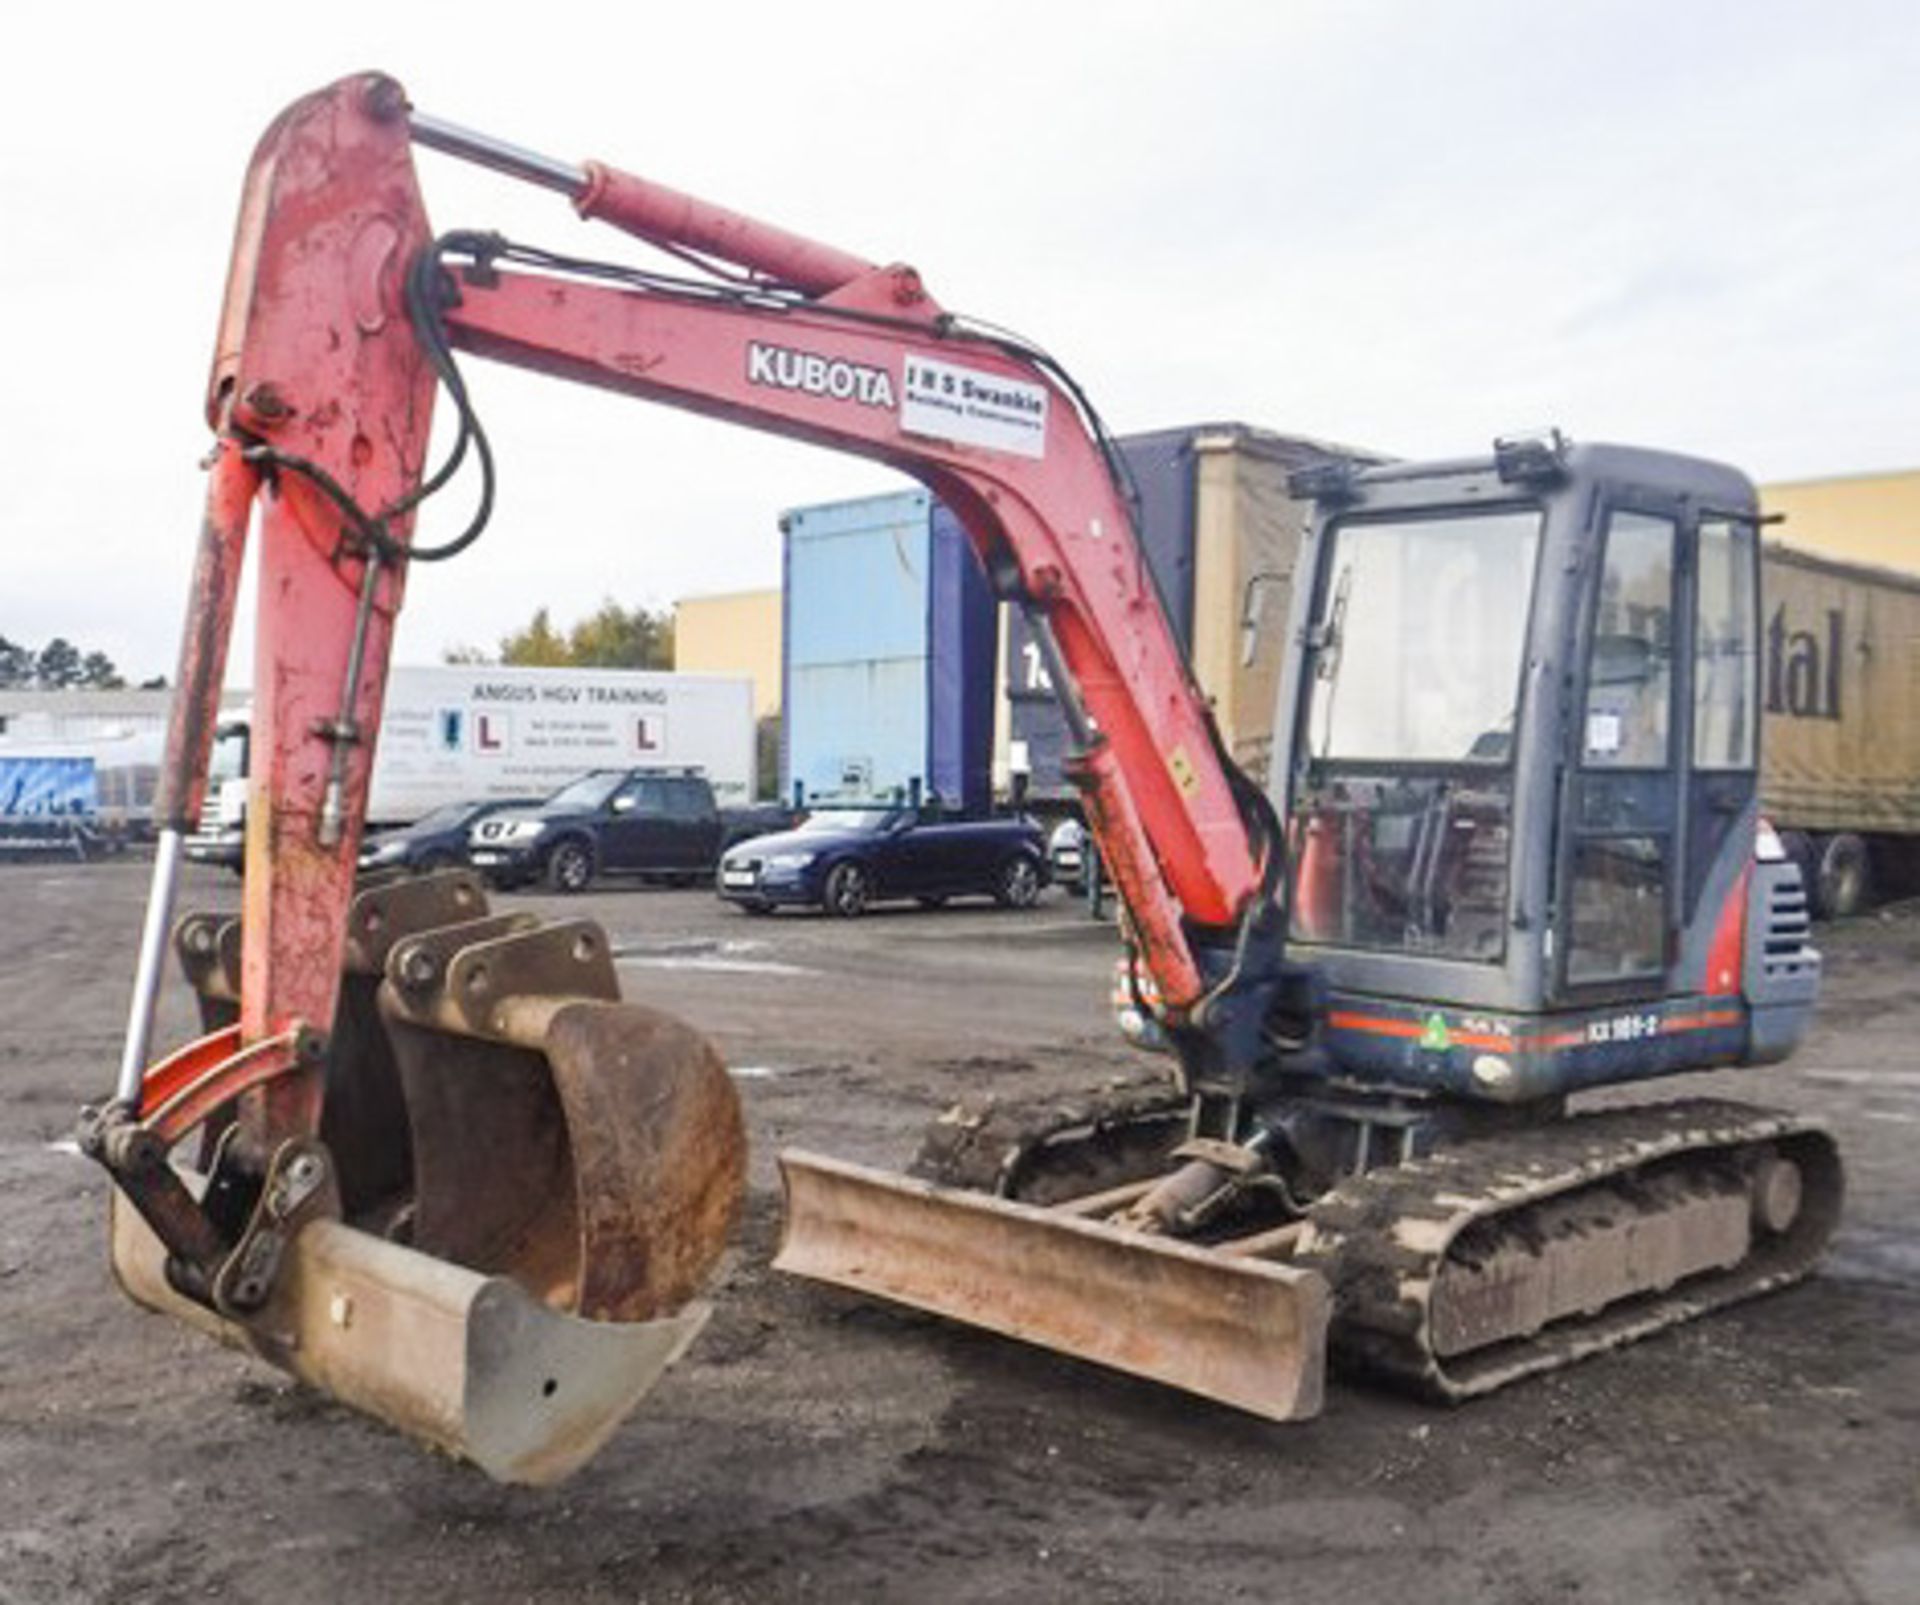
[(569, 1167)]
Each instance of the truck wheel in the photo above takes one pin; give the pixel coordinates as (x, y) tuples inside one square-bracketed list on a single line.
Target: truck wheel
[(1018, 885), (570, 867), (847, 890), (1842, 876)]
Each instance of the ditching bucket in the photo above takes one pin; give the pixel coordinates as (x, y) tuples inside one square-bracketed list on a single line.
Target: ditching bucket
[(536, 1180), (1242, 1331), (470, 1363)]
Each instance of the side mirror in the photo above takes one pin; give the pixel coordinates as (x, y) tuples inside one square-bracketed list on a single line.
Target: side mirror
[(623, 804)]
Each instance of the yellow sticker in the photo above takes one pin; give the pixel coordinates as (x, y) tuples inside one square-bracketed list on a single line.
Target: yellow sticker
[(1183, 775)]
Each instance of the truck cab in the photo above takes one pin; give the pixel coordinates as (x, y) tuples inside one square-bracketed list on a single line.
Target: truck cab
[(222, 834)]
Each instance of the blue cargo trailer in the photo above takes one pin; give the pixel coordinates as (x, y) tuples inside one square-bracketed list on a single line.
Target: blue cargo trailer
[(889, 642)]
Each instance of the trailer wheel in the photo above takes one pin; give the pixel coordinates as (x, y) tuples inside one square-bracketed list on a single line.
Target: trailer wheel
[(1842, 876)]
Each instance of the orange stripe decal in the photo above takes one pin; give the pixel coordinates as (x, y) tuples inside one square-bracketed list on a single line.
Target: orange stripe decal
[(1382, 1026)]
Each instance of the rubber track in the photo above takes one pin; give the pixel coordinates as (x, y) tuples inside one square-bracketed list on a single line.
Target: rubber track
[(1000, 1146), (1383, 1289)]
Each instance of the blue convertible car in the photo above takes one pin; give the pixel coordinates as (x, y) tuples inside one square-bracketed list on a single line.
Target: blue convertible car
[(844, 859)]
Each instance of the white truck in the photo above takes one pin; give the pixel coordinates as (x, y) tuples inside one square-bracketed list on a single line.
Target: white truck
[(470, 733)]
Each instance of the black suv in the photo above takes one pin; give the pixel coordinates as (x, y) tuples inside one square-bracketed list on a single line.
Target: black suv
[(660, 823)]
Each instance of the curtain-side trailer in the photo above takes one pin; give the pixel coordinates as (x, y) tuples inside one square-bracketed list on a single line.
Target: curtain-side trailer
[(1840, 740)]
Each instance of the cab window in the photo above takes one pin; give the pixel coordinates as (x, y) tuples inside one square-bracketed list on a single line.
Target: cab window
[(1726, 660), (685, 799), (1630, 669), (1624, 802)]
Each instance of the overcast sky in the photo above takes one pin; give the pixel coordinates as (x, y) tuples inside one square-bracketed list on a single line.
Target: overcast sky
[(1407, 227)]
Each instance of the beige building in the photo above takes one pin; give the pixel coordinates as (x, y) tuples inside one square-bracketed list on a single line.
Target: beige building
[(735, 632), (1858, 518)]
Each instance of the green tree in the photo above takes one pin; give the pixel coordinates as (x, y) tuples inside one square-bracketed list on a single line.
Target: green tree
[(16, 664), (537, 646), (97, 671), (463, 654), (58, 665), (622, 638), (766, 756), (614, 637)]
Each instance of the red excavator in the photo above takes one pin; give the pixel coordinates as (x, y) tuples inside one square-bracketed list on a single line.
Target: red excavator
[(424, 1157)]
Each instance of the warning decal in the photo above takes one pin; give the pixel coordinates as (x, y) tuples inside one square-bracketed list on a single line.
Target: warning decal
[(974, 408)]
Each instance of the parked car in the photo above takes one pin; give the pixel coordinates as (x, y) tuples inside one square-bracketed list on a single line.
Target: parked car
[(1076, 865), (660, 823), (1067, 852), (438, 841), (846, 859)]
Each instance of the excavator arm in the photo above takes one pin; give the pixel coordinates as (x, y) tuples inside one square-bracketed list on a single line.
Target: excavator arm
[(323, 386), (338, 1015)]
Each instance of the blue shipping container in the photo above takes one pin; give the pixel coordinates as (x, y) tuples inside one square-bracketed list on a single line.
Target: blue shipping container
[(889, 645)]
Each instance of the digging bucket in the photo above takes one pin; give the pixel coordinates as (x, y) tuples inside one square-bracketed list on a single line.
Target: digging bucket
[(555, 1174)]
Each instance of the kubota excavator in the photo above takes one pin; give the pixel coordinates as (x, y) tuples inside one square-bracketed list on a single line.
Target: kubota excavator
[(425, 1158)]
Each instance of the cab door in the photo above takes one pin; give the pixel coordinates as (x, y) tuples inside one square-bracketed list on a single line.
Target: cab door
[(1620, 872), (1660, 802), (627, 837), (690, 826), (1722, 783)]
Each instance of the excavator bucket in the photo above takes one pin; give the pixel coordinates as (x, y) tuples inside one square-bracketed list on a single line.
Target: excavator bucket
[(472, 1364), (535, 1180), (1228, 1326)]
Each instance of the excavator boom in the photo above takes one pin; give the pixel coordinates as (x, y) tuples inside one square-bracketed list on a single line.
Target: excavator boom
[(329, 1167)]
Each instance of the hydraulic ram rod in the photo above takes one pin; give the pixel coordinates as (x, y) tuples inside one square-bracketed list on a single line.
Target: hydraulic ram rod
[(483, 150), (653, 212)]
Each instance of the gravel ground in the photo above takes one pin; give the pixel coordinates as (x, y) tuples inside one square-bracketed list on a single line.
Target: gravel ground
[(813, 1446)]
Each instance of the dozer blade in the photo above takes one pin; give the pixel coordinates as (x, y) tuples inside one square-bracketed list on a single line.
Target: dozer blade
[(470, 1363), (1242, 1331)]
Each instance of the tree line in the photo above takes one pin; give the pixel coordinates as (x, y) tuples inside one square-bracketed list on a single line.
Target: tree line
[(60, 666), (614, 637)]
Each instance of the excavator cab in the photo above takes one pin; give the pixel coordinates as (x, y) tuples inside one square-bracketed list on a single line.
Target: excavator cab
[(1522, 789)]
